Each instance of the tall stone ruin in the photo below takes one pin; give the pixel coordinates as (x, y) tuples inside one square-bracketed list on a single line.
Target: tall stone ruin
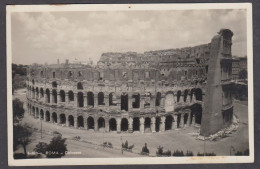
[(218, 107)]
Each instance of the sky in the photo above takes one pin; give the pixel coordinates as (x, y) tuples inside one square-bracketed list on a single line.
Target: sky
[(40, 37)]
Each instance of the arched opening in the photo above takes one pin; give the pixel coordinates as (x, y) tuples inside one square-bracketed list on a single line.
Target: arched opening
[(158, 99), (136, 100), (169, 102), (101, 98), (112, 99), (198, 94), (48, 95), (54, 117), (90, 122), (147, 99), (80, 121), (54, 94), (54, 84), (191, 94), (147, 124), (62, 96), (37, 92), (185, 95), (101, 123), (41, 114), (178, 95), (47, 116), (90, 96), (124, 102), (157, 124), (71, 120), (168, 122), (186, 117), (79, 86), (33, 111), (124, 124), (71, 96), (196, 111), (62, 119), (178, 120), (41, 93), (80, 99), (136, 124), (112, 124)]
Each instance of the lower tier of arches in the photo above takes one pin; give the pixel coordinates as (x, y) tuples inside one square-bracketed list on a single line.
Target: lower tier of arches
[(117, 123)]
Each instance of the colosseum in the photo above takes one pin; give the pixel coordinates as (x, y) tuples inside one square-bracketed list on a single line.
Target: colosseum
[(152, 91)]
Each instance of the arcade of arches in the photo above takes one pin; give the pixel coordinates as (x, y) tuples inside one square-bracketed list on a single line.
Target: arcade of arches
[(144, 124)]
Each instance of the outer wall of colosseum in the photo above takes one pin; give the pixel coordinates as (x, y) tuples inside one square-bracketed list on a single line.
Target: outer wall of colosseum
[(126, 93)]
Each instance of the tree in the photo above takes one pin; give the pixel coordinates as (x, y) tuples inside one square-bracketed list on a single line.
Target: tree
[(57, 147), (21, 136), (18, 110), (41, 147), (242, 74)]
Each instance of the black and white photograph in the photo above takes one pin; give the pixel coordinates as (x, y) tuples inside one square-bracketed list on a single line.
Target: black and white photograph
[(130, 84)]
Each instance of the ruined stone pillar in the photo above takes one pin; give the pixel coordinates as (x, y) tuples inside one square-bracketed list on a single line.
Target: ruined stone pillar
[(181, 121), (76, 100), (75, 122), (162, 124), (45, 97), (95, 101), (106, 99), (193, 120), (142, 124), (85, 123), (142, 102), (118, 125), (52, 98), (85, 100), (67, 121), (58, 119), (58, 98), (153, 121), (130, 105), (66, 97), (95, 125), (107, 125), (130, 125)]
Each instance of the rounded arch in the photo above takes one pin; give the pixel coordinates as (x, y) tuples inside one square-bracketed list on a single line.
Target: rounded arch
[(178, 95), (147, 124), (62, 95), (136, 124), (90, 123), (71, 96), (62, 119), (101, 123), (168, 122), (136, 98), (54, 84), (54, 94), (41, 114), (54, 117), (71, 120), (198, 94), (112, 99), (158, 99), (90, 99), (124, 124), (196, 111), (80, 120), (112, 124), (157, 123), (48, 95), (186, 92), (79, 86), (124, 101), (80, 99), (101, 98), (47, 116)]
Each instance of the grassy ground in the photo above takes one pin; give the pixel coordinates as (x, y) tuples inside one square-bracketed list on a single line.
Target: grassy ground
[(181, 139)]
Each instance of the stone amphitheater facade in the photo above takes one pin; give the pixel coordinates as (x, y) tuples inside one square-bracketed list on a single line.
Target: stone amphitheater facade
[(153, 91)]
